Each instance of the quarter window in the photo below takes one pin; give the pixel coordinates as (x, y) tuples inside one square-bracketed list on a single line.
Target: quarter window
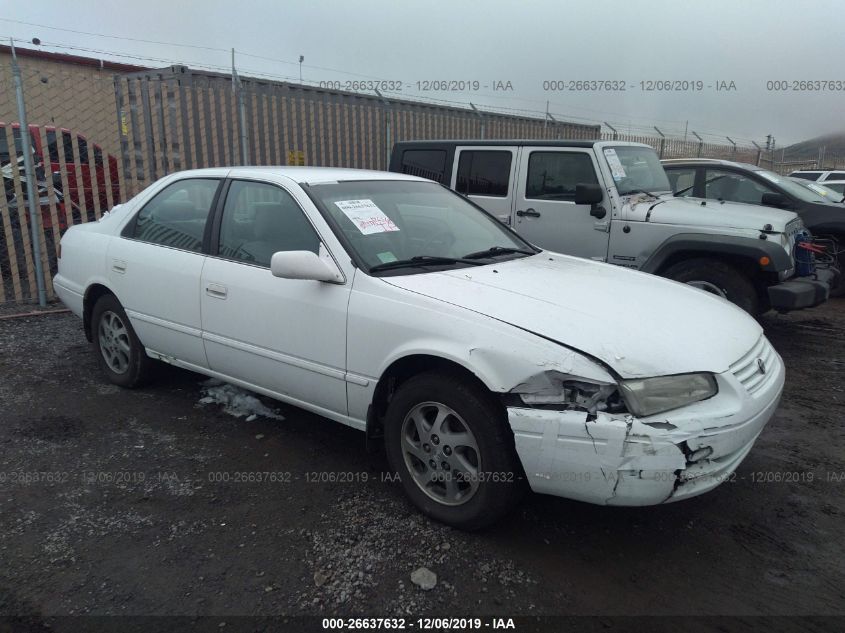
[(682, 181), (425, 163), (835, 175), (177, 215), (553, 175), (733, 187), (484, 173), (261, 219)]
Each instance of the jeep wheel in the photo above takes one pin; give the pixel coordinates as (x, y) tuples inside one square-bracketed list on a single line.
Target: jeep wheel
[(116, 346), (454, 452), (718, 278)]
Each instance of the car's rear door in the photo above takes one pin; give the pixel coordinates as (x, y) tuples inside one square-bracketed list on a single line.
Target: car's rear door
[(154, 268), (486, 175), (287, 336)]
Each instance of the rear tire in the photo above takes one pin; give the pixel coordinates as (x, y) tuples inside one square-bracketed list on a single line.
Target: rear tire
[(116, 346), (719, 278), (451, 445)]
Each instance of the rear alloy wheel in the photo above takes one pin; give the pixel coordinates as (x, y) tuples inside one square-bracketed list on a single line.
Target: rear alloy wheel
[(718, 278), (116, 346), (450, 443)]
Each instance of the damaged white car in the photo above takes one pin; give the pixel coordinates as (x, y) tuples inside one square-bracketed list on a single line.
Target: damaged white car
[(393, 305)]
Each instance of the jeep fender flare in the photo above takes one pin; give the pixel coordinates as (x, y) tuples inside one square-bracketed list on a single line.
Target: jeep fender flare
[(703, 244)]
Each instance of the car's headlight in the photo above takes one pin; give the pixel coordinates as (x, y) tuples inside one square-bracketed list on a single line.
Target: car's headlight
[(648, 396)]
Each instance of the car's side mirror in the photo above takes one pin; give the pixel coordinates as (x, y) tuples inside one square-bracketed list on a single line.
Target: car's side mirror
[(304, 265), (588, 194), (774, 200)]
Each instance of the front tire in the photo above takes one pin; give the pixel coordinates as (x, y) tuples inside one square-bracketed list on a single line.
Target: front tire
[(451, 445), (718, 278), (116, 346)]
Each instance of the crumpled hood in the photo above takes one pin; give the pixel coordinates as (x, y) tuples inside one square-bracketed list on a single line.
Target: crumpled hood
[(638, 324), (690, 212)]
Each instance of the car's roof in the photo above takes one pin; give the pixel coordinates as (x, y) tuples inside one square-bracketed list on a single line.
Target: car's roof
[(520, 141), (307, 175), (711, 161)]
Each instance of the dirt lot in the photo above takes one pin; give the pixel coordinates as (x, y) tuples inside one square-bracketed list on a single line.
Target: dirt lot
[(111, 503)]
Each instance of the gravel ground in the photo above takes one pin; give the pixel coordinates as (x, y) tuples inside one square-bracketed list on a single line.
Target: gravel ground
[(111, 503)]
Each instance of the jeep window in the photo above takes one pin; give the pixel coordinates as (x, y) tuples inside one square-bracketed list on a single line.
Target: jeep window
[(425, 163), (733, 187), (640, 169), (484, 173), (682, 180), (554, 175), (835, 175)]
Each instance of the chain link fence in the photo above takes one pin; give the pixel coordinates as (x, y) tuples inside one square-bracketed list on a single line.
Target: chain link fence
[(98, 138)]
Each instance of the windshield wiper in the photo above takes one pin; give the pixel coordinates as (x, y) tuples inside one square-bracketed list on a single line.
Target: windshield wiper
[(423, 260), (497, 250), (648, 193)]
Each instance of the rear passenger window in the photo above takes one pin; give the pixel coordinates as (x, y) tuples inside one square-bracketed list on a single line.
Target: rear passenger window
[(553, 175), (425, 163), (261, 219), (836, 175), (176, 216), (484, 173)]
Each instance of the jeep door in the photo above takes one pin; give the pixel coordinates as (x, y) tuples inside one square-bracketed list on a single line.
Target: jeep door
[(546, 213), (486, 175)]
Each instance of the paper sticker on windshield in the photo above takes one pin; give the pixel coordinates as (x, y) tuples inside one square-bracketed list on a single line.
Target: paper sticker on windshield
[(616, 168), (772, 177), (366, 216)]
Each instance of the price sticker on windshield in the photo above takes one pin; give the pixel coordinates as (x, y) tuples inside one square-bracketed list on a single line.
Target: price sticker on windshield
[(366, 216), (616, 168)]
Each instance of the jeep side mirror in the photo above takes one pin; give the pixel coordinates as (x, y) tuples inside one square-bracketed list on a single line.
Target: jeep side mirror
[(588, 194), (774, 200)]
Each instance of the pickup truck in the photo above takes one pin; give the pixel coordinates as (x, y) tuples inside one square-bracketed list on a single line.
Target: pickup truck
[(611, 201)]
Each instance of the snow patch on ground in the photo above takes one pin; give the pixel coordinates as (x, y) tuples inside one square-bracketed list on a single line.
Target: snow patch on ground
[(236, 401)]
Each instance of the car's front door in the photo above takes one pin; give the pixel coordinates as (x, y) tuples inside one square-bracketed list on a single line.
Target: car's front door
[(546, 213), (284, 335), (154, 268)]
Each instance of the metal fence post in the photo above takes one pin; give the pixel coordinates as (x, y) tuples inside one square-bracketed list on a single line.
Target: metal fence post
[(732, 143), (480, 117), (613, 129), (387, 135), (29, 174), (759, 153), (662, 140), (700, 143), (238, 89)]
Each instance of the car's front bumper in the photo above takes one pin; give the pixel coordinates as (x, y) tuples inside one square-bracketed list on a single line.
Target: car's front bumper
[(623, 460), (803, 292)]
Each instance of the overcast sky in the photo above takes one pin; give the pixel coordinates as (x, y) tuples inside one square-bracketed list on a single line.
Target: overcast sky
[(746, 42)]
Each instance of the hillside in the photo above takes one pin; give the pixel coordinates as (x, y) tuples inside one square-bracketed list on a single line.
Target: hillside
[(834, 145)]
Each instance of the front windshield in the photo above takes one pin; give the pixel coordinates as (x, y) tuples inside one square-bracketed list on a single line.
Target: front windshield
[(386, 221), (635, 169), (793, 188)]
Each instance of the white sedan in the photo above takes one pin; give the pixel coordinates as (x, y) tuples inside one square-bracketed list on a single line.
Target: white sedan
[(393, 305)]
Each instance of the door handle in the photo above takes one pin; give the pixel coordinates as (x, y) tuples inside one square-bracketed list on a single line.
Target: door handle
[(216, 290), (528, 212)]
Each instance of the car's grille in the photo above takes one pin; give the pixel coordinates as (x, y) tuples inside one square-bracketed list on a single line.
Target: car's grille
[(748, 369)]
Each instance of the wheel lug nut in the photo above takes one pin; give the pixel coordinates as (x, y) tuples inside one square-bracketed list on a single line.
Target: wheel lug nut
[(435, 440), (447, 450), (445, 466), (433, 464), (426, 448)]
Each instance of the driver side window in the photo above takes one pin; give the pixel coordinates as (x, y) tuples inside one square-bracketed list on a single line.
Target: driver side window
[(554, 175), (260, 219), (733, 187)]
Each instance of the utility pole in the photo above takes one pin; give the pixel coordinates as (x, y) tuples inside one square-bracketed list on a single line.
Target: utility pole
[(29, 174), (238, 89)]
